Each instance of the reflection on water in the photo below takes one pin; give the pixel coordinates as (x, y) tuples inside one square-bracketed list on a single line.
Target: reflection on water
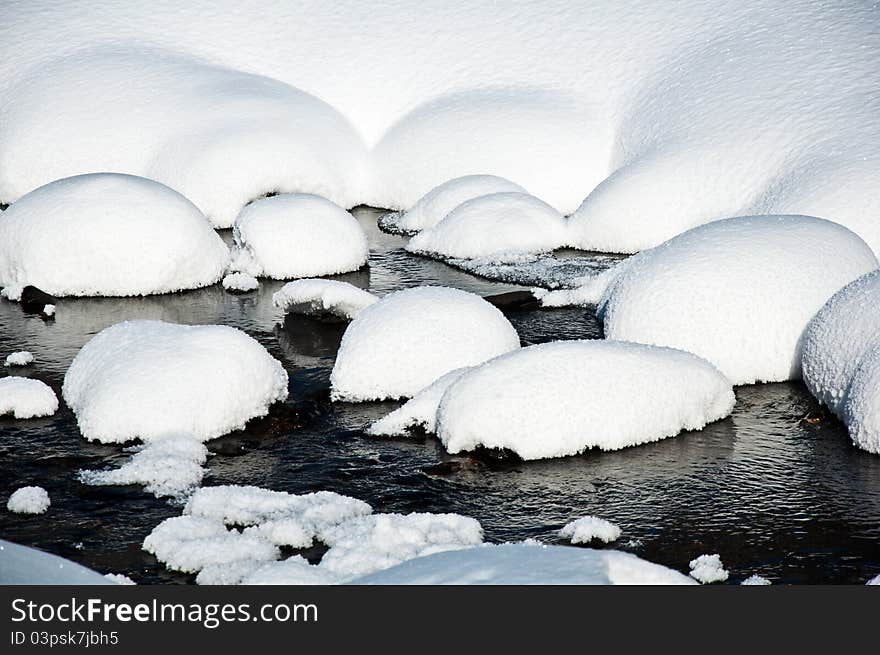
[(772, 494)]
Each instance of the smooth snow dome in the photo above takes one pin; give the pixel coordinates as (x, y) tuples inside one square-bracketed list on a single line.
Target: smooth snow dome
[(241, 282), (399, 345), (26, 398), (861, 410), (20, 358), (297, 235), (564, 397), (587, 528), (526, 564), (493, 227), (317, 297), (442, 199), (28, 500), (21, 565), (145, 379), (105, 234), (737, 292), (707, 569)]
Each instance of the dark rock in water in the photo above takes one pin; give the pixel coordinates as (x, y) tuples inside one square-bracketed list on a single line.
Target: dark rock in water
[(3, 207), (453, 467), (514, 301), (304, 335), (33, 300), (814, 418)]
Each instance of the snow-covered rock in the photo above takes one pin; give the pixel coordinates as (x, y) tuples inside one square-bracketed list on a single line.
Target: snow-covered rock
[(587, 528), (562, 398), (297, 235), (26, 398), (21, 565), (707, 569), (240, 283), (28, 500), (145, 379), (420, 410), (442, 199), (493, 227), (756, 580), (524, 564), (738, 292), (20, 358), (319, 297), (106, 234), (397, 346)]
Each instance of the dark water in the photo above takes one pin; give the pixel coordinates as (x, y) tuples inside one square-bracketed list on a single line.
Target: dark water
[(773, 494)]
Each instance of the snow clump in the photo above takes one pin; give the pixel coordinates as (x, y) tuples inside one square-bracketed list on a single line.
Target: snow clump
[(587, 528), (28, 500), (321, 297), (755, 580), (240, 283), (26, 398), (707, 569), (20, 358), (119, 578)]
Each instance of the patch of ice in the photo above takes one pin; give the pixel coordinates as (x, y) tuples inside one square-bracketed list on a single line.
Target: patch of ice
[(587, 528), (105, 234), (240, 282), (297, 235), (20, 358), (28, 500), (119, 578), (144, 379), (26, 398), (707, 569), (561, 398), (399, 345), (755, 580), (589, 290), (317, 297), (545, 271)]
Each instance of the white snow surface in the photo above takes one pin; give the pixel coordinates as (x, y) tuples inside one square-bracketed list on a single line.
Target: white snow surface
[(707, 569), (241, 282), (49, 310), (29, 566), (562, 398), (420, 410), (119, 578), (756, 580), (737, 292), (861, 410), (28, 500), (297, 235), (399, 345), (443, 198), (294, 570), (496, 226), (106, 234), (874, 581), (314, 296), (26, 398), (527, 564), (20, 358), (587, 528), (144, 379)]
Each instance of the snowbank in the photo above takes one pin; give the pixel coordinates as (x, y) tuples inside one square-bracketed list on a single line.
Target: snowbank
[(240, 283), (21, 565), (522, 564), (26, 398), (105, 234), (297, 235), (319, 297), (145, 379), (442, 199), (587, 528), (737, 292), (562, 398), (397, 346), (707, 569), (20, 358), (493, 227), (28, 500)]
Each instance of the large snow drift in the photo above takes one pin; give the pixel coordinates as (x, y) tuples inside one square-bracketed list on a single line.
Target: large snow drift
[(26, 398), (296, 235), (526, 564), (397, 346), (146, 379), (108, 235), (738, 292), (561, 398)]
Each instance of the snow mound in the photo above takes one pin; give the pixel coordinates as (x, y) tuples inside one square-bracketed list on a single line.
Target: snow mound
[(495, 227), (144, 379), (442, 199), (562, 398), (319, 297), (20, 358), (106, 234), (419, 411), (523, 564), (26, 398), (874, 581), (755, 580), (707, 569), (168, 465), (21, 565), (861, 410), (737, 292), (28, 500), (293, 571), (369, 543), (119, 578), (240, 282), (399, 345), (297, 235), (587, 528)]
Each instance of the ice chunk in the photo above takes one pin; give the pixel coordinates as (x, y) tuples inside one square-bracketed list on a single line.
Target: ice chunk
[(587, 528), (318, 297), (738, 292), (756, 580), (561, 398), (26, 398), (106, 234), (240, 282), (20, 358), (397, 346), (707, 569), (144, 379), (28, 500), (297, 235), (495, 226)]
